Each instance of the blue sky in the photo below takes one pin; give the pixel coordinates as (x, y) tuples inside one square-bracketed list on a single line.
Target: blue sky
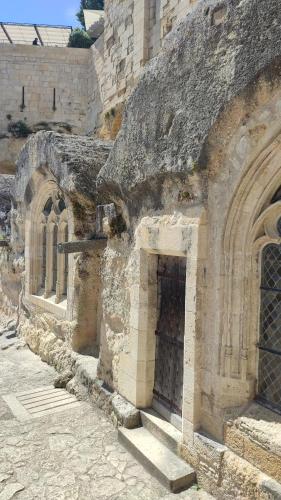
[(40, 11)]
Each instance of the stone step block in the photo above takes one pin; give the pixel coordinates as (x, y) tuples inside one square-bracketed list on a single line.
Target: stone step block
[(159, 460), (161, 429)]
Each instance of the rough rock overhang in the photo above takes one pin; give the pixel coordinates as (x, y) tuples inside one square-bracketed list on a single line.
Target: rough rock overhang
[(73, 161), (6, 189), (214, 55)]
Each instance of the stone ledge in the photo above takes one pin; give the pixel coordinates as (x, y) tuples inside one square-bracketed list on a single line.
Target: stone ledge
[(118, 408), (85, 384), (126, 414), (206, 455), (271, 489), (255, 435)]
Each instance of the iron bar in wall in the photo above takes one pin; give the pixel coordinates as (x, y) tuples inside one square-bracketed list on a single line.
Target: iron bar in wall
[(22, 106), (54, 100)]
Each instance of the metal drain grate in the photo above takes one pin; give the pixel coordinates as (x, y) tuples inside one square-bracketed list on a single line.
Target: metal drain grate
[(39, 402)]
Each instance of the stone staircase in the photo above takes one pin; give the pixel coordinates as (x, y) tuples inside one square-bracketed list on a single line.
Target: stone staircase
[(155, 445)]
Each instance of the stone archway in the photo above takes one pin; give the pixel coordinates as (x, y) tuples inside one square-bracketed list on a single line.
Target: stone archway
[(251, 224)]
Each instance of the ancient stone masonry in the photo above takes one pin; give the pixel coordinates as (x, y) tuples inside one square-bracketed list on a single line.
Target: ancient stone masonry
[(40, 71), (44, 88), (186, 200), (133, 34), (81, 91)]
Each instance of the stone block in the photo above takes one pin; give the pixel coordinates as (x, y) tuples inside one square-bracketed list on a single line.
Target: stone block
[(63, 379), (126, 414)]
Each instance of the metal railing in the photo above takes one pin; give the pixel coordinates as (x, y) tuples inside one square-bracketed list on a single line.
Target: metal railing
[(25, 34)]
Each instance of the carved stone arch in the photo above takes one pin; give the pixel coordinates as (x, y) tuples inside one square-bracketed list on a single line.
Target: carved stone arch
[(244, 235), (49, 221)]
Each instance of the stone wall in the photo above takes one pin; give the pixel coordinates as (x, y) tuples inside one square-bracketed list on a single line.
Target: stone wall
[(11, 264), (189, 180), (9, 151), (89, 84), (134, 32), (40, 70), (95, 85), (164, 15)]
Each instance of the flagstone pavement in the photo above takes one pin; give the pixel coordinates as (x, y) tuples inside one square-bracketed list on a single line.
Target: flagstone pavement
[(73, 454)]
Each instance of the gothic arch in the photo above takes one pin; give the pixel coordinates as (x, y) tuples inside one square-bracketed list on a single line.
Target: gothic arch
[(48, 222), (250, 225)]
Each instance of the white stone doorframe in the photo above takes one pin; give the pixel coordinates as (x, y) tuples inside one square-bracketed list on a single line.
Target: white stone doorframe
[(182, 237)]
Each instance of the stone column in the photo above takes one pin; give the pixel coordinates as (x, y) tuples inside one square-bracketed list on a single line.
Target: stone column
[(49, 261)]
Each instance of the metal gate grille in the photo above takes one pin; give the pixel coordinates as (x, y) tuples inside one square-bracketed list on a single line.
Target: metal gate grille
[(170, 332), (269, 387)]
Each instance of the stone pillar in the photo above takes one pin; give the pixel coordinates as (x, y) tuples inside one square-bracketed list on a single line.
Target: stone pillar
[(49, 261), (138, 365)]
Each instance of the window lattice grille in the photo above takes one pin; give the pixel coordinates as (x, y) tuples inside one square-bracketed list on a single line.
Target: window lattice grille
[(269, 390)]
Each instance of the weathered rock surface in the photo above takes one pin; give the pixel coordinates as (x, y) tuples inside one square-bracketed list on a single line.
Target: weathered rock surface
[(74, 161), (9, 151), (126, 414), (6, 188), (212, 56), (10, 491), (62, 379)]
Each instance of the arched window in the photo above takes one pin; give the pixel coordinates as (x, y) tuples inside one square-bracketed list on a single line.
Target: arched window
[(51, 269), (269, 378)]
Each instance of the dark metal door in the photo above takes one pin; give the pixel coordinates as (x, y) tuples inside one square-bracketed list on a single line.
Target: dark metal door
[(269, 383), (168, 382)]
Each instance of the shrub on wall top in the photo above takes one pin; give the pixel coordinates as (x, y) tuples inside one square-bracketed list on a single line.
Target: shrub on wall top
[(80, 39), (19, 129)]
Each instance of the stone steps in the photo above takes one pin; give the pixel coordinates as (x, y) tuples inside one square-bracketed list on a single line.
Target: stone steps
[(155, 446), (161, 429)]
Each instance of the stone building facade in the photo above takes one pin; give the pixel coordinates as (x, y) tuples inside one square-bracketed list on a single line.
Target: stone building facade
[(150, 265)]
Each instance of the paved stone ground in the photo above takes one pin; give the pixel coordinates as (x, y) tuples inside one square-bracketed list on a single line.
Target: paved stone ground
[(69, 455)]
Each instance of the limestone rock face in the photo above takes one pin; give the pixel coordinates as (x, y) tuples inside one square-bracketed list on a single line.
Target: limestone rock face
[(6, 188), (74, 161), (9, 151), (212, 56), (63, 378)]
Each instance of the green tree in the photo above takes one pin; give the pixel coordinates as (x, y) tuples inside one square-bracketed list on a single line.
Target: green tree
[(91, 5), (80, 39)]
